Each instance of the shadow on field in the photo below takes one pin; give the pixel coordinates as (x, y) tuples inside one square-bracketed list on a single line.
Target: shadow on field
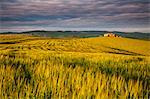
[(122, 51), (8, 42)]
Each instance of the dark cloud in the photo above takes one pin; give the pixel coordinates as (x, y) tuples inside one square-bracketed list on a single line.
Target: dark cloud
[(74, 13)]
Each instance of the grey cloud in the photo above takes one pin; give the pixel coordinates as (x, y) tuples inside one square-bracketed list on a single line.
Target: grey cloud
[(69, 13)]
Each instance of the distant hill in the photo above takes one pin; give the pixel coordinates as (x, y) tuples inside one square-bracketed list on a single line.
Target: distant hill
[(82, 34)]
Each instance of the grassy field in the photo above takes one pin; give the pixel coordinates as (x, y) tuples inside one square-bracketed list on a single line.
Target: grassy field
[(77, 68)]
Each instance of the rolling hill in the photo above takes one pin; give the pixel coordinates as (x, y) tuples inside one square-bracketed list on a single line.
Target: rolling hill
[(42, 67), (121, 45)]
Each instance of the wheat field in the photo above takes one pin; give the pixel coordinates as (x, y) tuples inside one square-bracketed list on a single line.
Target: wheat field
[(73, 68)]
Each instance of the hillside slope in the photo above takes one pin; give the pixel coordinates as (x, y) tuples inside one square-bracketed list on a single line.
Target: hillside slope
[(123, 46), (37, 67)]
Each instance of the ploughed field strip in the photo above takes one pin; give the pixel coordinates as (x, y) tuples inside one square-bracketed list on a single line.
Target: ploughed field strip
[(37, 67)]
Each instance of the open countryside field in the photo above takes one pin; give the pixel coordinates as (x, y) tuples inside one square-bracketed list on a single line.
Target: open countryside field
[(77, 68)]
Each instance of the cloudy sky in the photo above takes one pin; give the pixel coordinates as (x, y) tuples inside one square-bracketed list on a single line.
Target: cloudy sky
[(119, 15)]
